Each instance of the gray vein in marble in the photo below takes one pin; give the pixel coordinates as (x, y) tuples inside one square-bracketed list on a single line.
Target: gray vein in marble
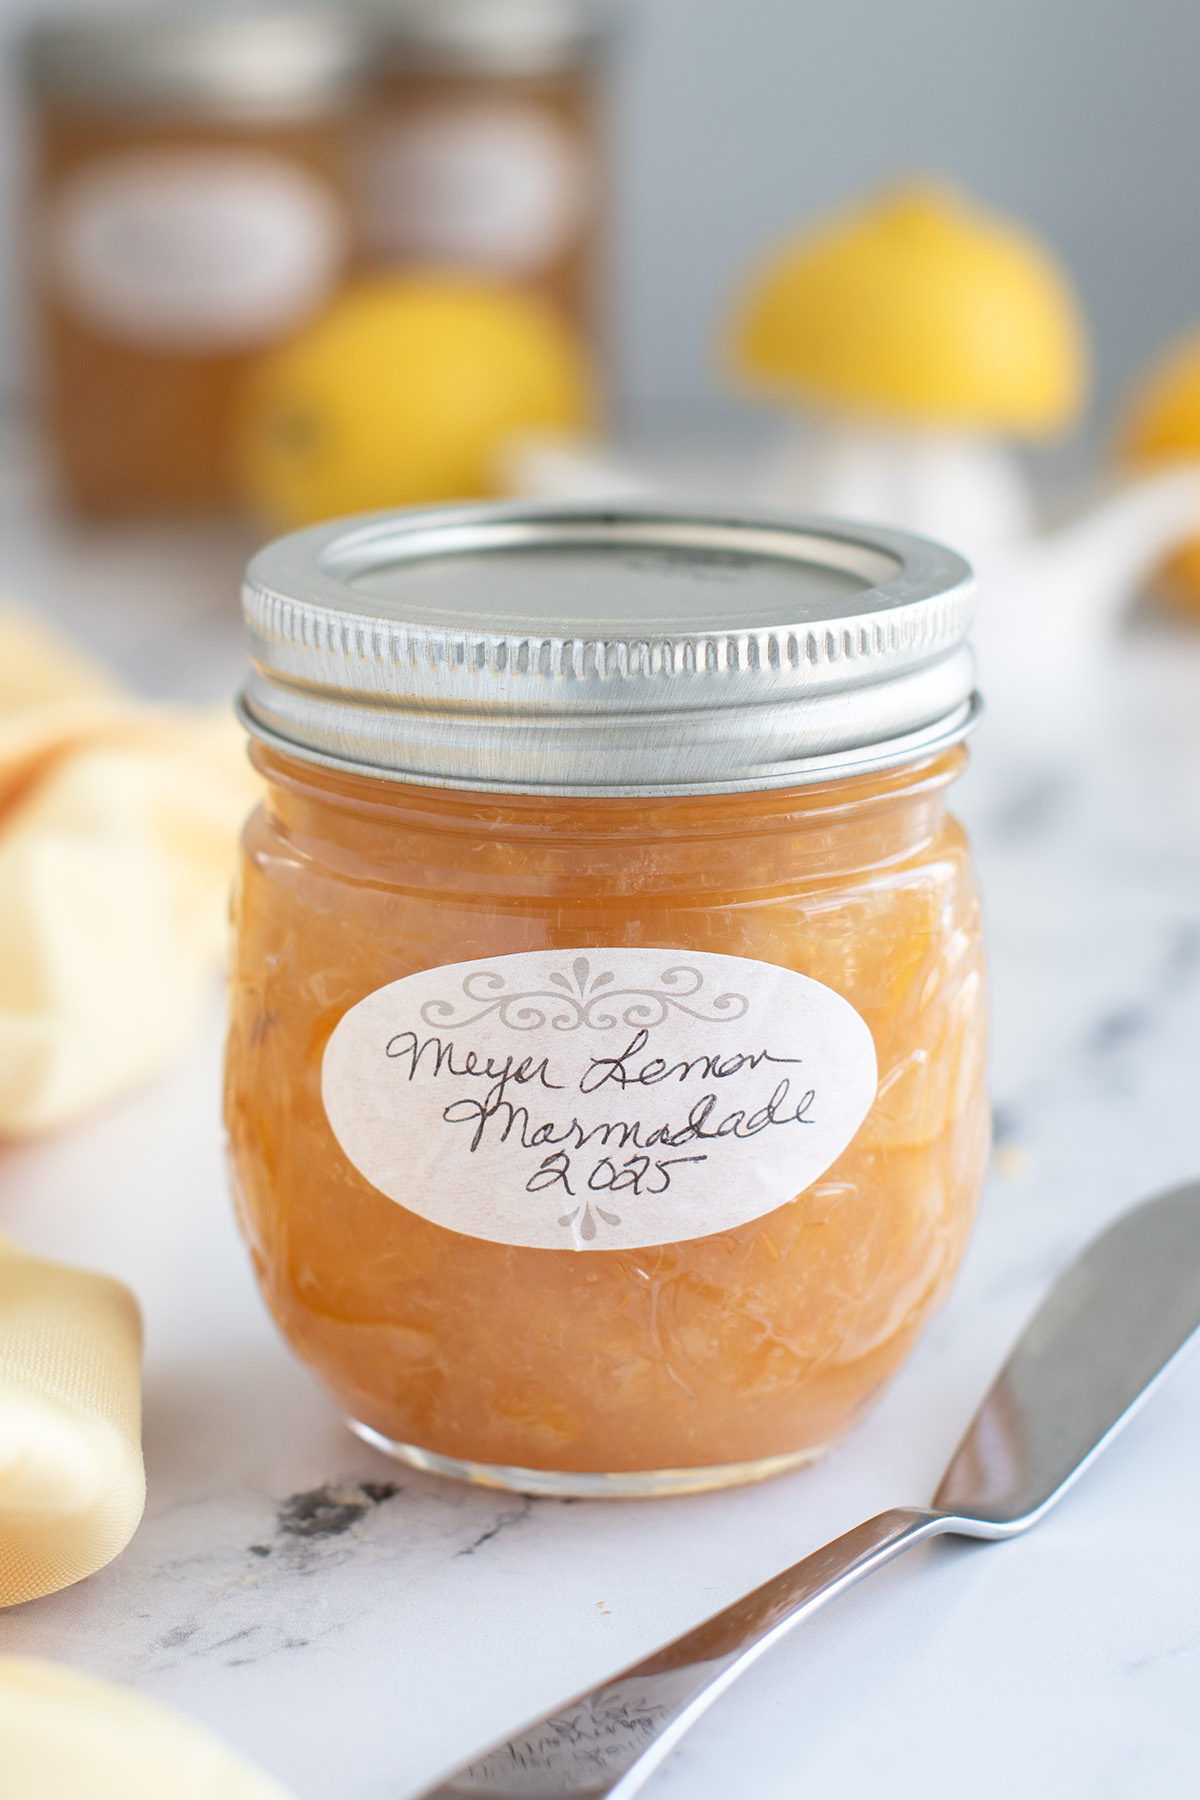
[(330, 1510), (1169, 1653), (513, 1515)]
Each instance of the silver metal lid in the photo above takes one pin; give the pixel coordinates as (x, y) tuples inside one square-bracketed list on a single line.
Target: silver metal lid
[(491, 37), (265, 64), (607, 649)]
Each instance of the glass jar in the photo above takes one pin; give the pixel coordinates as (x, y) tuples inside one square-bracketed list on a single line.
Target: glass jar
[(606, 1070), (192, 205), (484, 150)]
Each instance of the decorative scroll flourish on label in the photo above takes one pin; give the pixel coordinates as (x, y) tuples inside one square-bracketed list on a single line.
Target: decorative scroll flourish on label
[(601, 1100), (591, 1003)]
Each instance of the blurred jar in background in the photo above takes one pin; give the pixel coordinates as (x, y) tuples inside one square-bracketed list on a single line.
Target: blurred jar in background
[(192, 206), (485, 151)]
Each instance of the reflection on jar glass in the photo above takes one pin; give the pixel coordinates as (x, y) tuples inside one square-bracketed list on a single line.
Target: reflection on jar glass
[(484, 150), (605, 1082), (193, 206)]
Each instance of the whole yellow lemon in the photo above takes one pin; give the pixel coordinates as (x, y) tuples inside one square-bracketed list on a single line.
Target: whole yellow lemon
[(402, 394), (918, 306), (1162, 425)]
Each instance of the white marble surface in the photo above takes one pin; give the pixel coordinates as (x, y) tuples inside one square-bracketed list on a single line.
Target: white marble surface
[(360, 1657)]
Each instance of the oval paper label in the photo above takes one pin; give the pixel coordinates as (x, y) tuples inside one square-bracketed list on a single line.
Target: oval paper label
[(598, 1100), (196, 250), (497, 186)]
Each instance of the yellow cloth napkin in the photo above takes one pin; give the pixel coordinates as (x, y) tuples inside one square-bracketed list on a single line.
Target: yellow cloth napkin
[(71, 1482), (68, 1736), (118, 830)]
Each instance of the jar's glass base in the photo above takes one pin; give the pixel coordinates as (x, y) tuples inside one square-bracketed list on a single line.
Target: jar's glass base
[(566, 1484)]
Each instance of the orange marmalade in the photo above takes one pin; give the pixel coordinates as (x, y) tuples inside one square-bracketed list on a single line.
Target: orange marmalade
[(606, 1067)]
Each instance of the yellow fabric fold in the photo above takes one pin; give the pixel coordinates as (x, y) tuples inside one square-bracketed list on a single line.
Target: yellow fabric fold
[(72, 1486), (68, 1736), (118, 831)]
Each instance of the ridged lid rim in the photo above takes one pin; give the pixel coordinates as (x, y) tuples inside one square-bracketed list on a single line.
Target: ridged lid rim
[(345, 679)]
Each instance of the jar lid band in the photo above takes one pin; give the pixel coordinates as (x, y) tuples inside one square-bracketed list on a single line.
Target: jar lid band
[(607, 650), (268, 63), (491, 37)]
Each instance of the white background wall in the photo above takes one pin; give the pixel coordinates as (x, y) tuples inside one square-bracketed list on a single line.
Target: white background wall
[(739, 117)]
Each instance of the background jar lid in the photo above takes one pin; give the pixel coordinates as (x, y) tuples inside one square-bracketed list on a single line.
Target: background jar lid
[(490, 37), (607, 649), (276, 62)]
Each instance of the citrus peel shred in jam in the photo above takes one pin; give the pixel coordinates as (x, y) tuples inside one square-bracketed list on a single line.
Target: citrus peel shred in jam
[(762, 1342)]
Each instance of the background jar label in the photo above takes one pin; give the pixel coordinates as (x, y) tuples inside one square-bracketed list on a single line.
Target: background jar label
[(492, 185), (599, 1099), (195, 250)]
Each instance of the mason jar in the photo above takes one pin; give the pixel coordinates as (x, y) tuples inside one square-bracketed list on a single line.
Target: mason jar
[(484, 149), (192, 205), (606, 1067)]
